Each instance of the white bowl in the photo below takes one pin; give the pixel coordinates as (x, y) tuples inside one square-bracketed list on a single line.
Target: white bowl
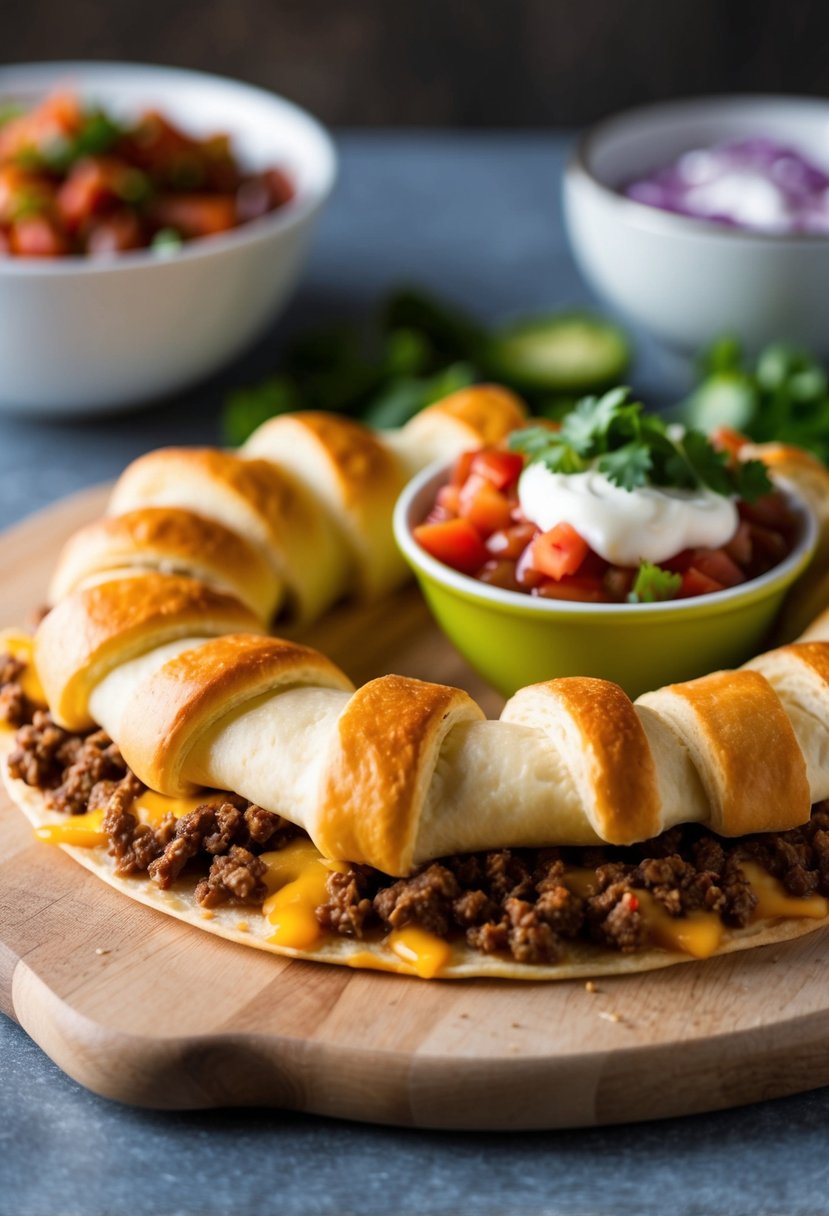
[(688, 280), (87, 335)]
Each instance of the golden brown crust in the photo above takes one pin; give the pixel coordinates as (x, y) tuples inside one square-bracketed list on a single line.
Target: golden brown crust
[(263, 503), (381, 762), (354, 477), (100, 627), (606, 748), (191, 692), (361, 463), (488, 411), (175, 540), (744, 747)]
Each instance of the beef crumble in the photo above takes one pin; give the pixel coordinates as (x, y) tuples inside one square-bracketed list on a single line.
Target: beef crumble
[(521, 902)]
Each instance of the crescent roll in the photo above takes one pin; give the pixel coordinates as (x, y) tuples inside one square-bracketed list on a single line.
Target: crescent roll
[(401, 771), (297, 519)]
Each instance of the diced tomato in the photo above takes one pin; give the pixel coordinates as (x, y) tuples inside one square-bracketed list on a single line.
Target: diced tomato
[(155, 139), (680, 563), (726, 439), (455, 542), (484, 506), (446, 505), (593, 565), (717, 565), (501, 468), (559, 551), (740, 547), (694, 582), (63, 109), (462, 468), (573, 587), (195, 215), (768, 543), (770, 511), (449, 497), (499, 573), (512, 541), (36, 236), (92, 185)]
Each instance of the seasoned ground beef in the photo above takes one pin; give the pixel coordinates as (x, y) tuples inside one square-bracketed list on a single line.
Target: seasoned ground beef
[(424, 900), (217, 830), (15, 707), (236, 877), (42, 752), (97, 759), (350, 901), (517, 901), (133, 845)]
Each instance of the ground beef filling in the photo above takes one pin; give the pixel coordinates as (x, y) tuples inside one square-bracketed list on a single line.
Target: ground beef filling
[(520, 902)]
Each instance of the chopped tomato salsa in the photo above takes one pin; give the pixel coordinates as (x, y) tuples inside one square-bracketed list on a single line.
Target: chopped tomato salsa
[(476, 526), (73, 180)]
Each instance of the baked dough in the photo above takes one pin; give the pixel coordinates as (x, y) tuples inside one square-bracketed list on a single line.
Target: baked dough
[(403, 771), (297, 519)]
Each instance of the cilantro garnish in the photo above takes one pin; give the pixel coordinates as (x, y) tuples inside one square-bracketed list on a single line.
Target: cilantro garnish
[(613, 434), (652, 584)]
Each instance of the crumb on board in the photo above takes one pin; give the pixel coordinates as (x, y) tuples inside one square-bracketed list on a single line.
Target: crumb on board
[(611, 1015), (101, 950), (590, 986)]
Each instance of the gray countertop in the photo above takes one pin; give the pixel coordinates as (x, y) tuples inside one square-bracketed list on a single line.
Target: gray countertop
[(476, 218)]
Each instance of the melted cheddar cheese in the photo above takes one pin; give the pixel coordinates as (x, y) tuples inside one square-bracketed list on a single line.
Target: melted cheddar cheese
[(85, 831), (425, 953), (697, 933), (296, 877), (774, 901), (150, 807)]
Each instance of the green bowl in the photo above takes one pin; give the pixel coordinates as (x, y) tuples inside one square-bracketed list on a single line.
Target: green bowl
[(513, 639)]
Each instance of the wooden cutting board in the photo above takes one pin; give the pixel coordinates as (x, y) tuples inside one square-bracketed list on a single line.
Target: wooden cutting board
[(146, 1010)]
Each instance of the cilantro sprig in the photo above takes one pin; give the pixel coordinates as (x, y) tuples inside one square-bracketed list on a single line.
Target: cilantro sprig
[(614, 435), (653, 584)]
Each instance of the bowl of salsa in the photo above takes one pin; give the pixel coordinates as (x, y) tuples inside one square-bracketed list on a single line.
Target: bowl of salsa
[(153, 222), (642, 560)]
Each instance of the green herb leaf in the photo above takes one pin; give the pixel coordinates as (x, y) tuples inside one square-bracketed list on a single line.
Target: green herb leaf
[(544, 446), (752, 480), (709, 465), (653, 584), (628, 467)]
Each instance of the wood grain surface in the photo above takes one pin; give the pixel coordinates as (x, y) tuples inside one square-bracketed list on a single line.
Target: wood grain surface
[(146, 1010)]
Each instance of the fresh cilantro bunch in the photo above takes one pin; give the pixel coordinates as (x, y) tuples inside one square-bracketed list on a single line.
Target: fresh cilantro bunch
[(614, 435)]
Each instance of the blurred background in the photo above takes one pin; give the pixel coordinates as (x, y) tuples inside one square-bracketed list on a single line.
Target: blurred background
[(454, 63)]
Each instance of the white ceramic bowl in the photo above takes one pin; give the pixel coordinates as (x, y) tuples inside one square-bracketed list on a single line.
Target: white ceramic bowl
[(83, 335), (684, 279)]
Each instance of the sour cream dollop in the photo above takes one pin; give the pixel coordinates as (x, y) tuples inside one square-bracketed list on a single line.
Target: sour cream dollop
[(627, 527)]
